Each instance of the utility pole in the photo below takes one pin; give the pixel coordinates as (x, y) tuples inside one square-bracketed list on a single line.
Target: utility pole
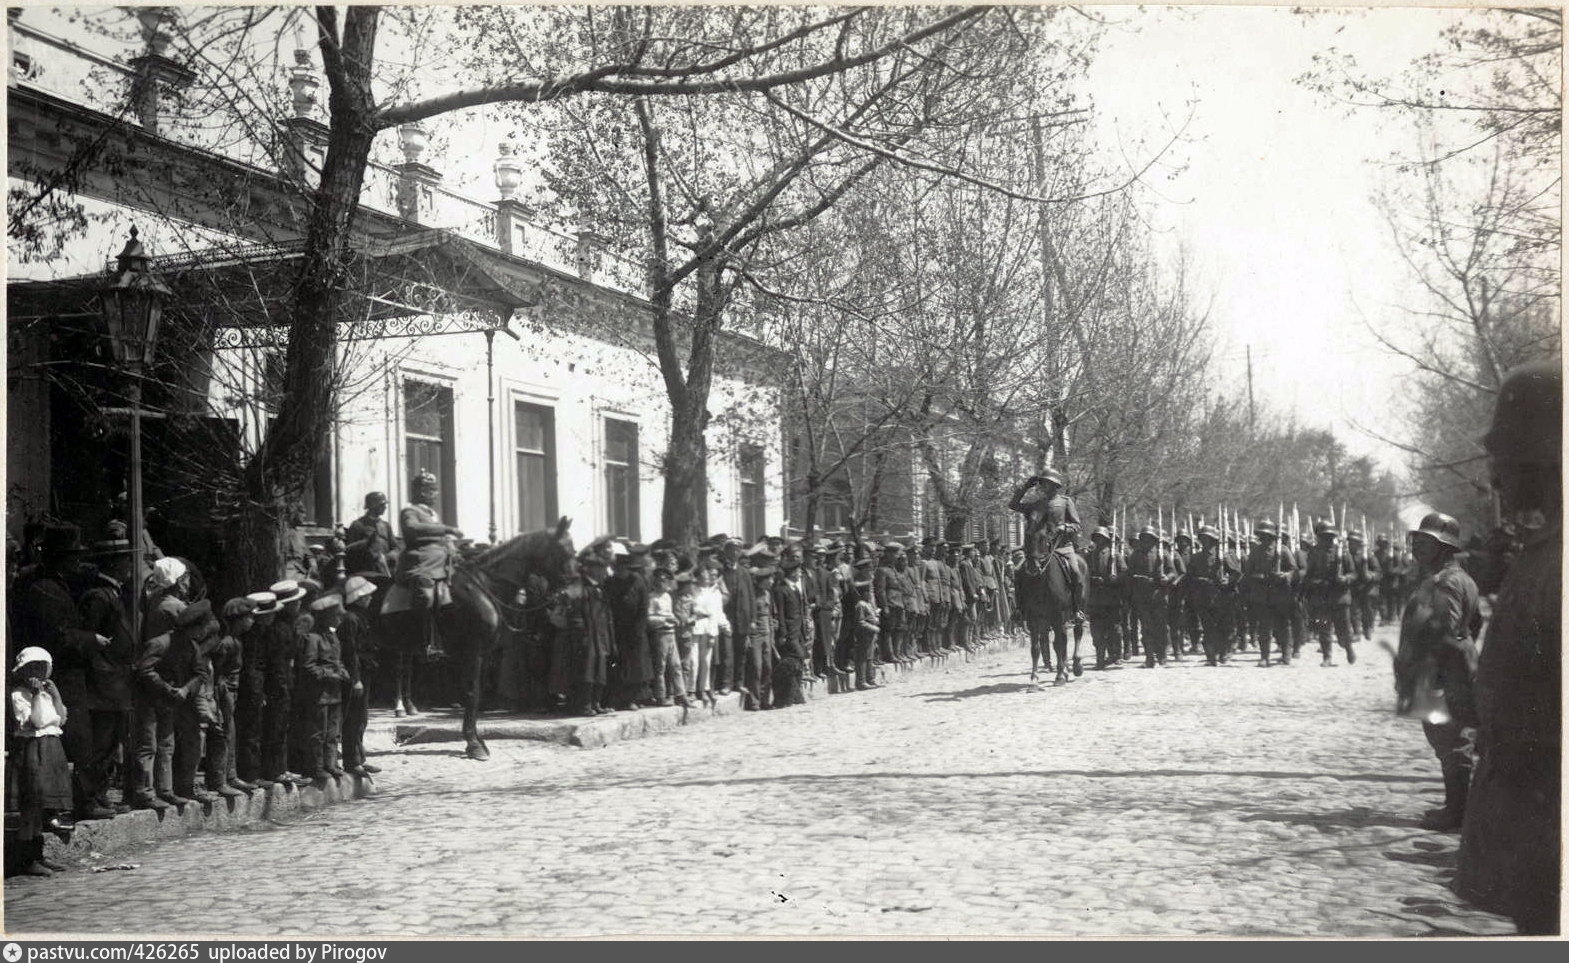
[(1250, 389)]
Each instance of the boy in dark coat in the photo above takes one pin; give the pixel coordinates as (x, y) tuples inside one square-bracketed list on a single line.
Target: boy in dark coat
[(358, 649), (322, 678)]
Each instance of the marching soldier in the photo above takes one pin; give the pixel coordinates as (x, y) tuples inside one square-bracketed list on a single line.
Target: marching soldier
[(1329, 576), (1300, 605), (1211, 576), (1177, 608), (1108, 587), (1365, 590), (1147, 575), (1389, 606), (1272, 571), (1130, 621)]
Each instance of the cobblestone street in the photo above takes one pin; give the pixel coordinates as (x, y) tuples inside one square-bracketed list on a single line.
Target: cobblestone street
[(1185, 800)]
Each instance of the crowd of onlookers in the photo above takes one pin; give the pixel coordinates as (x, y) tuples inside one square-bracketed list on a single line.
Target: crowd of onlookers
[(213, 699), (648, 625)]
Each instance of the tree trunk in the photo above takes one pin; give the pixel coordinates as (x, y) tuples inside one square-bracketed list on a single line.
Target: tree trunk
[(278, 473), (686, 472), (955, 528)]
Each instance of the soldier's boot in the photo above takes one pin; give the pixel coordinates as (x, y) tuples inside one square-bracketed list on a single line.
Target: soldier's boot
[(1447, 819), (1351, 654)]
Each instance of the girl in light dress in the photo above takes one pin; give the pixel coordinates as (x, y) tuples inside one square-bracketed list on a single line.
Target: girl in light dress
[(708, 623), (37, 777)]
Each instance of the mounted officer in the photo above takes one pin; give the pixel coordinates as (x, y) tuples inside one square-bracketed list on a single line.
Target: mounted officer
[(1044, 513), (425, 564)]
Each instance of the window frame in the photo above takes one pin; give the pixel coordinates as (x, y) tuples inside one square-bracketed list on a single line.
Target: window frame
[(550, 455), (633, 494), (447, 415)]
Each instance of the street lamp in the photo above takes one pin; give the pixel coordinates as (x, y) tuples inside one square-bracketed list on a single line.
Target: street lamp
[(132, 304)]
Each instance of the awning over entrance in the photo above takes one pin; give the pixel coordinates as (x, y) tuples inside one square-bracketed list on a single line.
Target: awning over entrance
[(425, 283)]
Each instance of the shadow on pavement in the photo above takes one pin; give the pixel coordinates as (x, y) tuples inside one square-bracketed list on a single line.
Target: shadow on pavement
[(1357, 817), (999, 688)]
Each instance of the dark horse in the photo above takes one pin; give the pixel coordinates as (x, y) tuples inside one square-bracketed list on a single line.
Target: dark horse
[(1046, 604), (483, 591)]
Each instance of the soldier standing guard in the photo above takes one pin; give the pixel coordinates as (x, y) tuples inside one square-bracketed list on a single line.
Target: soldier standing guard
[(1510, 843), (369, 541), (1437, 633), (892, 602)]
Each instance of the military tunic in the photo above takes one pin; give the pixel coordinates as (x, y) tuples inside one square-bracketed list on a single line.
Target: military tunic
[(1509, 846)]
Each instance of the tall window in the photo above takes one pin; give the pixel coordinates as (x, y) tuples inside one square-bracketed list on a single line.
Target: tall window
[(535, 448), (428, 440), (754, 518), (621, 483)]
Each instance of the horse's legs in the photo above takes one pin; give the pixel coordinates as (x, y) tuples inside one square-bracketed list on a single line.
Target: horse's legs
[(1059, 642), (471, 699), (405, 683)]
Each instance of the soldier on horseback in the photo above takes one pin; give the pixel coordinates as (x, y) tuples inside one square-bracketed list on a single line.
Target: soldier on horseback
[(1046, 512), (425, 565)]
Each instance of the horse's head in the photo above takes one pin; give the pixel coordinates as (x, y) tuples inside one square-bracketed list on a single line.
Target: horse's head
[(547, 553), (564, 549)]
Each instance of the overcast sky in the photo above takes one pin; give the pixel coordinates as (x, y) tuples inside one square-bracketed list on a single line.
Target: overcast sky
[(1274, 203)]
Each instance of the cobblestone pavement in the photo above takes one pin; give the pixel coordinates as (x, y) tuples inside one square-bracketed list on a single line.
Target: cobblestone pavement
[(1186, 800)]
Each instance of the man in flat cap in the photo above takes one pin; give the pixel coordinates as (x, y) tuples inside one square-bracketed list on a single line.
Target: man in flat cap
[(320, 699), (169, 672), (729, 670), (105, 607)]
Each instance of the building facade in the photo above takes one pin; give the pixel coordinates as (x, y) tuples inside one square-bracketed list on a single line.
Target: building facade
[(511, 358)]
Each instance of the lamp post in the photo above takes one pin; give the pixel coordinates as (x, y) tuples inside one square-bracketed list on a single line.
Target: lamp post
[(132, 303)]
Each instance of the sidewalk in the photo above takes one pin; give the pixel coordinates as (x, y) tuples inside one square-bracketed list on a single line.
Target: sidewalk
[(93, 839), (593, 732)]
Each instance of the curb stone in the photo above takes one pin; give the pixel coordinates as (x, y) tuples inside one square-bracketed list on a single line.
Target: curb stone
[(141, 827), (598, 732)]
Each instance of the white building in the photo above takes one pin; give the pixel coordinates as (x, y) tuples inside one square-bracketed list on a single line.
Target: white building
[(561, 413)]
